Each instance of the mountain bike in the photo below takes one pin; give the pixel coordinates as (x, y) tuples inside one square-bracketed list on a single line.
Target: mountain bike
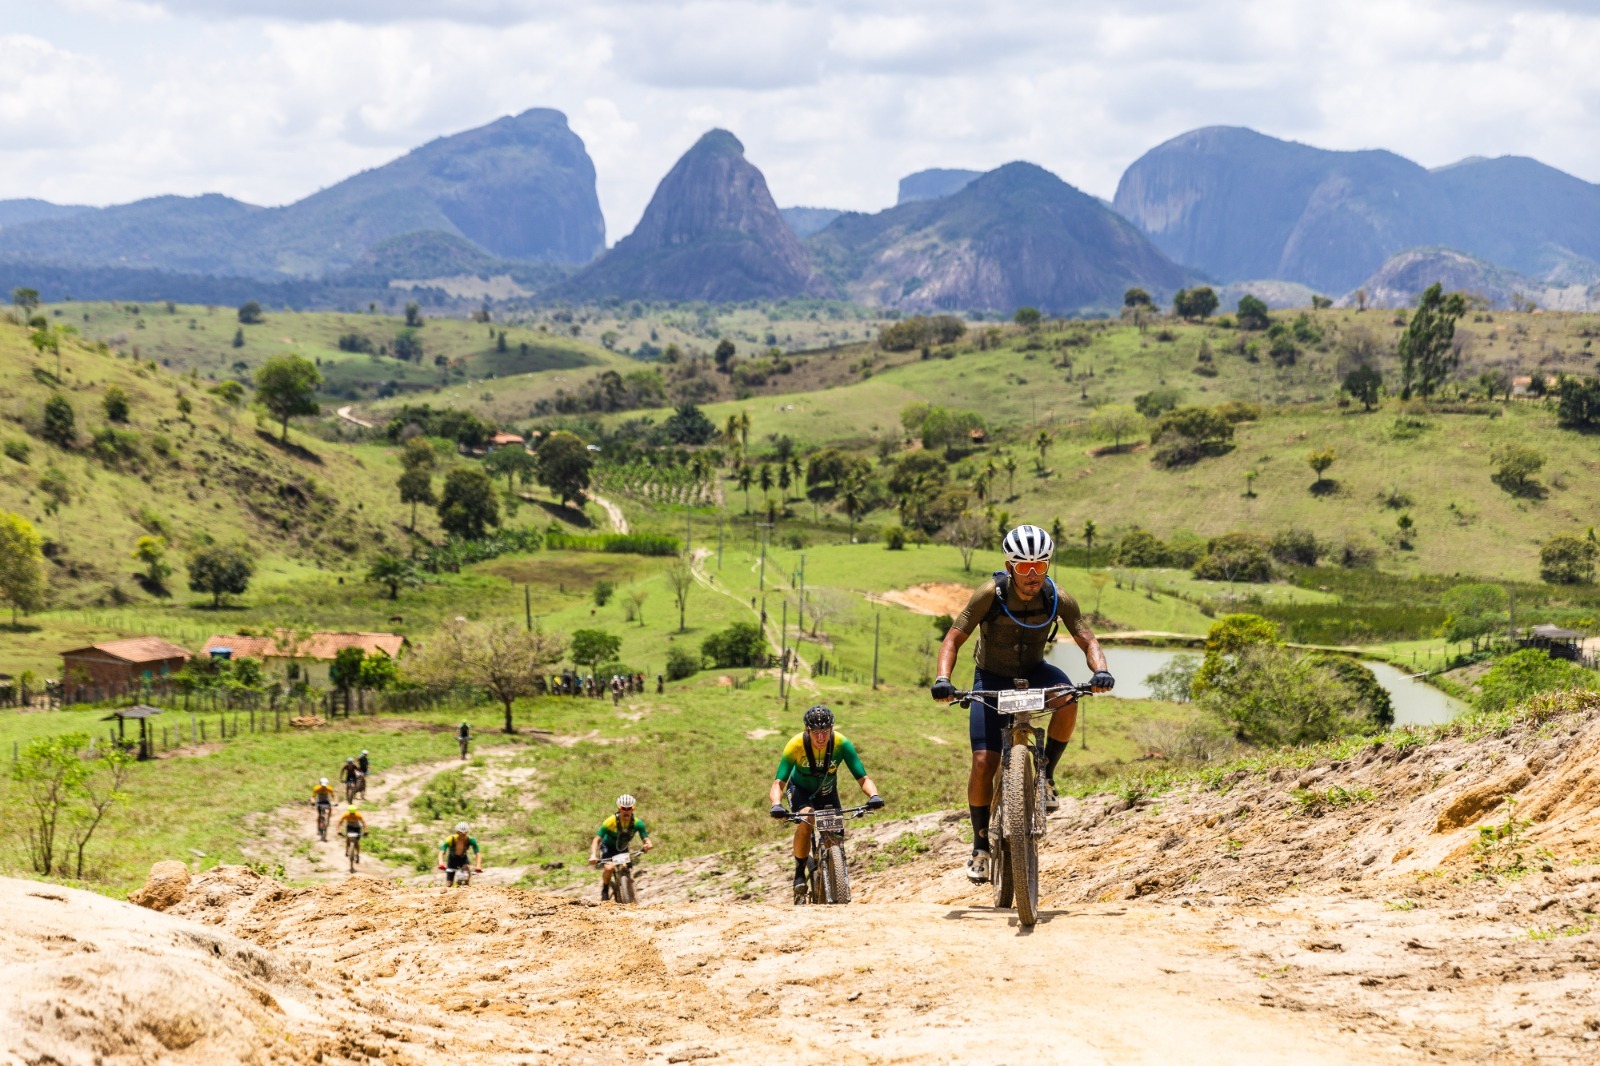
[(324, 812), (352, 846), (354, 785), (621, 876), (827, 877), (1016, 821)]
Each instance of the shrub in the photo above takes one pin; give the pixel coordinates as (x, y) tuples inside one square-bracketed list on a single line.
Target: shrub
[(1567, 560), (919, 331), (18, 450), (1297, 546), (1141, 549), (1272, 697), (1527, 673), (1174, 681), (115, 403), (1373, 696), (356, 342), (1157, 402), (741, 644), (1237, 411), (1190, 433), (618, 543), (681, 662), (1236, 557), (60, 422), (602, 592), (894, 538), (250, 313)]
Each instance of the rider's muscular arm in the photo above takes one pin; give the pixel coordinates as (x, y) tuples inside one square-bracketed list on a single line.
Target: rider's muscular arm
[(949, 650), (867, 786), (775, 793)]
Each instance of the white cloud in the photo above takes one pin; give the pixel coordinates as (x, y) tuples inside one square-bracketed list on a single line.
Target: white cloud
[(835, 99)]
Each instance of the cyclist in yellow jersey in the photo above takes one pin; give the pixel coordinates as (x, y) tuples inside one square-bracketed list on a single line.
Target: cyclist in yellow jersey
[(808, 778), (322, 794), (616, 835), (352, 819)]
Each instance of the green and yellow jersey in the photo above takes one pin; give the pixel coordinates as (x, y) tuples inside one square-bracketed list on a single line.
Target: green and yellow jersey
[(615, 837), (818, 772), (457, 846)]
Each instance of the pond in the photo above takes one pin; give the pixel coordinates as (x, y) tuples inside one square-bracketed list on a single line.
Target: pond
[(1415, 702)]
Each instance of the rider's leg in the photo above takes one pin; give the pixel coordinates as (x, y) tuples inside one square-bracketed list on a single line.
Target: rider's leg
[(605, 882), (802, 845), (1062, 723), (980, 793)]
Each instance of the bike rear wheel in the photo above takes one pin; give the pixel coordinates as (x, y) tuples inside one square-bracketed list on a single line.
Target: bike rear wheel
[(838, 876), (1022, 858)]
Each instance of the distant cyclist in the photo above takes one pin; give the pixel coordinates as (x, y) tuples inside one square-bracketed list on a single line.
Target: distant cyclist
[(352, 824), (808, 778), (361, 762), (322, 798), (1015, 614), (464, 737), (353, 780), (615, 835), (453, 853)]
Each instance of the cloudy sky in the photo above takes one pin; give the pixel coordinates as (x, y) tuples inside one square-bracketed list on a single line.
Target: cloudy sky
[(104, 101)]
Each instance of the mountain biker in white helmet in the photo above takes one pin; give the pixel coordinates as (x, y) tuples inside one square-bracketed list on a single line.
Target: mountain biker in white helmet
[(453, 853), (615, 834), (1015, 614)]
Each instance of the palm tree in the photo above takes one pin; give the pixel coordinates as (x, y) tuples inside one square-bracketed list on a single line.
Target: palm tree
[(744, 430), (730, 429), (853, 497), (783, 481), (765, 480), (1088, 542), (392, 571), (980, 487), (744, 483), (1042, 443), (1011, 476)]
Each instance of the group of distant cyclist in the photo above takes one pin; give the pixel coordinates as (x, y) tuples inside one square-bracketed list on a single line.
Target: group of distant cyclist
[(1015, 615), (459, 855)]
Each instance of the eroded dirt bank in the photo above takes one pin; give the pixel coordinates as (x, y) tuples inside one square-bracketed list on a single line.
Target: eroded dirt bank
[(1334, 912)]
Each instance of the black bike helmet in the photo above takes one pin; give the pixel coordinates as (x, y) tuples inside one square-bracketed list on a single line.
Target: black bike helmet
[(819, 717)]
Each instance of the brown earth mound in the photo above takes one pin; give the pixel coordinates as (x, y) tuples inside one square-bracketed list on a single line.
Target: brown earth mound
[(934, 598)]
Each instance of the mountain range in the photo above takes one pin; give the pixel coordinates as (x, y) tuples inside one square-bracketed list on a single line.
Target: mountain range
[(516, 200), (1236, 204)]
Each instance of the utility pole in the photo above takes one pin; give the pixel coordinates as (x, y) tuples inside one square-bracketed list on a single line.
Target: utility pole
[(688, 533), (764, 527), (783, 655), (802, 604), (527, 606), (877, 619), (719, 543)]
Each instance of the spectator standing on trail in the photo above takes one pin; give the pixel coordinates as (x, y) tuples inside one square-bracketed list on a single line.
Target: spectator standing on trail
[(362, 761), (464, 737)]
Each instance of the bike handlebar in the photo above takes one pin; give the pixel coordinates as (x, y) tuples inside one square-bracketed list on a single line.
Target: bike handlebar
[(965, 697), (848, 812)]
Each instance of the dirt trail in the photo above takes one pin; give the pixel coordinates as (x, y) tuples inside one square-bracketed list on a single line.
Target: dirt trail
[(1330, 912), (289, 834), (619, 521)]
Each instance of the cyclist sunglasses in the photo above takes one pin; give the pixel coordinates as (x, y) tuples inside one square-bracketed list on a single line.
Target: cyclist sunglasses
[(1039, 568), (627, 810)]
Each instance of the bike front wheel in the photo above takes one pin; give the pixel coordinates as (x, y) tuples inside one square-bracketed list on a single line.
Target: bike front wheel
[(836, 875), (1022, 855), (622, 886)]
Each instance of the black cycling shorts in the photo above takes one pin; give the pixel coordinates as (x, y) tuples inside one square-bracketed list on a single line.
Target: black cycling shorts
[(799, 799), (985, 725), (456, 862)]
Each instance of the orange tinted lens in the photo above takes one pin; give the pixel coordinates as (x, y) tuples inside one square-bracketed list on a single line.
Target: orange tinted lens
[(1041, 567)]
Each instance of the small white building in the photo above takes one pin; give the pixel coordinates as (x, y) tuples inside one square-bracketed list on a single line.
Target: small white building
[(293, 657)]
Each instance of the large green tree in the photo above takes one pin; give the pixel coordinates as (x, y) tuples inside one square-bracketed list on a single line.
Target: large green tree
[(221, 571), (1427, 347), (564, 464), (286, 385), (416, 481), (60, 422), (22, 567), (1365, 384), (467, 506)]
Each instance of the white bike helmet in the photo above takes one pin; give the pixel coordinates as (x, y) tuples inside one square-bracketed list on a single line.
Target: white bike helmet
[(324, 780), (625, 800), (461, 827), (1027, 544), (363, 751)]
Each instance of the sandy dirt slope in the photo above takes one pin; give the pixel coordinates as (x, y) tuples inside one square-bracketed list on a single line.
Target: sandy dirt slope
[(1331, 913)]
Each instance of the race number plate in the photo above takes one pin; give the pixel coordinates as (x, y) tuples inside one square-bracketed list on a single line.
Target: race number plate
[(829, 821), (619, 859), (1019, 701)]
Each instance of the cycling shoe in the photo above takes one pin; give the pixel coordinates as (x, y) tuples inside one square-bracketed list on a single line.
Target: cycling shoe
[(978, 867)]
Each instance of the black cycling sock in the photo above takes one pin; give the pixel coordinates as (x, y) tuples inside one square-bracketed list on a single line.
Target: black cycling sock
[(800, 869), (1053, 750), (980, 828), (605, 892)]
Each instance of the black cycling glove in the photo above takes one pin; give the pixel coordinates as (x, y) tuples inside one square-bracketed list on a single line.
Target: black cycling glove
[(943, 689), (874, 803), (779, 812), (1102, 680)]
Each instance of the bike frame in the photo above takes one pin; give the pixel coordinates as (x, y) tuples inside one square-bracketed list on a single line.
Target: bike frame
[(1021, 705), (827, 830)]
